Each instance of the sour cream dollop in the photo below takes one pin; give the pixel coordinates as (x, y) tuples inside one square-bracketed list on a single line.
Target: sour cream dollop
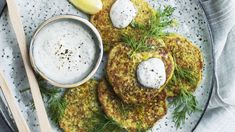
[(122, 13), (151, 73)]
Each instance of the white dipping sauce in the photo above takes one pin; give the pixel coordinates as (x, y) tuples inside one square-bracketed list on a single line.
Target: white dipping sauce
[(65, 51), (151, 73), (122, 13)]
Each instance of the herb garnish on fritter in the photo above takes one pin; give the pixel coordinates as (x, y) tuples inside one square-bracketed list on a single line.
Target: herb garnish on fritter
[(187, 75), (154, 29), (52, 97)]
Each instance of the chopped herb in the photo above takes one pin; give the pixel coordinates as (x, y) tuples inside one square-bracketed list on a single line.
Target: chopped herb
[(140, 127), (56, 108), (136, 46), (185, 74), (137, 25), (24, 90), (52, 96), (105, 124), (185, 104), (155, 28), (161, 21)]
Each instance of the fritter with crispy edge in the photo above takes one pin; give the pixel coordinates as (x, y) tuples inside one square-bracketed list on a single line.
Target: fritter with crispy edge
[(189, 63), (83, 112), (109, 33), (121, 73), (131, 117)]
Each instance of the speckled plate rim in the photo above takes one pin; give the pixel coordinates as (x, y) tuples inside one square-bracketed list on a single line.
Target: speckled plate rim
[(10, 123), (57, 19), (213, 65)]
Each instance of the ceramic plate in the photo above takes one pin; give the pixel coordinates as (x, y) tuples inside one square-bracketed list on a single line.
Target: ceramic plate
[(192, 24)]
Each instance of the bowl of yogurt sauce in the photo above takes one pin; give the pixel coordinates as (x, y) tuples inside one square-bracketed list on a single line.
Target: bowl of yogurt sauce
[(66, 50)]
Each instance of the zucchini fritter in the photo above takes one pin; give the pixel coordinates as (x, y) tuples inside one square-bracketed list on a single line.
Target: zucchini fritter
[(83, 112), (109, 33), (121, 73), (82, 103), (188, 59), (131, 117)]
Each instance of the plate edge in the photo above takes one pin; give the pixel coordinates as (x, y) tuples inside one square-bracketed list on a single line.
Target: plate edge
[(213, 66)]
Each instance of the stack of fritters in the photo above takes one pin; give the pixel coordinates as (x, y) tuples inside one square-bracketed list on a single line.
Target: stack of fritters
[(120, 96), (122, 99), (84, 113), (132, 117), (144, 105)]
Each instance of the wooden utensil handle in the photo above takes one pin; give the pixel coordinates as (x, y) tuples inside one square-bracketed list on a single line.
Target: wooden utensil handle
[(17, 115), (21, 39)]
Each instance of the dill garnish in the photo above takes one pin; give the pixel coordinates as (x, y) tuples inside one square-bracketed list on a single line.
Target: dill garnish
[(185, 74), (55, 103), (184, 104), (155, 28), (137, 46), (56, 108), (52, 97), (105, 124), (139, 127)]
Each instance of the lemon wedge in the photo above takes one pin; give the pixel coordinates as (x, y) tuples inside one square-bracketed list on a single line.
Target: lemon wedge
[(88, 6)]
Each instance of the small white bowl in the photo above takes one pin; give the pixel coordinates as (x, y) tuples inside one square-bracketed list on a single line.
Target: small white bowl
[(99, 49)]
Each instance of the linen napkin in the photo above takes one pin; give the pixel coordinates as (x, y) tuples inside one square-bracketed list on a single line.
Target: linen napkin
[(220, 115)]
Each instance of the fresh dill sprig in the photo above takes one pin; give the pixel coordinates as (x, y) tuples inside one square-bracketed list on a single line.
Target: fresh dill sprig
[(136, 46), (134, 24), (56, 104), (154, 28), (52, 97), (48, 92), (139, 127), (56, 108), (105, 124), (184, 104), (165, 16), (185, 74), (161, 21)]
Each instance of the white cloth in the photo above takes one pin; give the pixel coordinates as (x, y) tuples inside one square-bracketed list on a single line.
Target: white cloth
[(220, 115)]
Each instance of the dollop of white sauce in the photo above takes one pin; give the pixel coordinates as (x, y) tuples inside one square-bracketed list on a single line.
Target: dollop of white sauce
[(65, 51), (151, 73), (122, 13)]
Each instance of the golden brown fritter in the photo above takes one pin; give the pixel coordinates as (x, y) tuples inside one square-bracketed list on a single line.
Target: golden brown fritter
[(83, 112), (82, 102), (121, 73), (131, 117), (109, 33), (187, 57)]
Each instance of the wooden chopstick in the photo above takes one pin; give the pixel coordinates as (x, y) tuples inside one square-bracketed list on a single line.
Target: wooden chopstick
[(17, 25), (14, 108)]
